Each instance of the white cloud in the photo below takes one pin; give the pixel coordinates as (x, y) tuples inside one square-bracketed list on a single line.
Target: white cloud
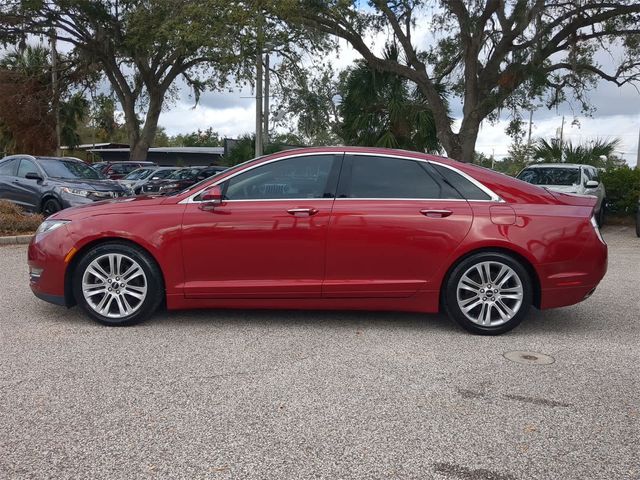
[(493, 139)]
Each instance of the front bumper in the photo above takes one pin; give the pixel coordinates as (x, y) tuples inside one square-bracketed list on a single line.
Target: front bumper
[(46, 256)]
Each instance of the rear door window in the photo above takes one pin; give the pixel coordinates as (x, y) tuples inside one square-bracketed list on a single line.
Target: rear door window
[(466, 188), (388, 177)]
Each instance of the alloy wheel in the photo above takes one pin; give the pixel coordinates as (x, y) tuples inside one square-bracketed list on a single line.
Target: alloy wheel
[(490, 293), (114, 285)]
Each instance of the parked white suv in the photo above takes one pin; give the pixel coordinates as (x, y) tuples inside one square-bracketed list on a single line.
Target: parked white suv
[(568, 178)]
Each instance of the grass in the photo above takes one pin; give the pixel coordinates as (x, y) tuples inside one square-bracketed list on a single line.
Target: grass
[(14, 221)]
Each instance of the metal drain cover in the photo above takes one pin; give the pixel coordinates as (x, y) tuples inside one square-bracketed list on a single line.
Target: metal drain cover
[(529, 358)]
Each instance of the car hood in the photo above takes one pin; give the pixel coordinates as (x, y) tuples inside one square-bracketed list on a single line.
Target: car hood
[(84, 184), (107, 206)]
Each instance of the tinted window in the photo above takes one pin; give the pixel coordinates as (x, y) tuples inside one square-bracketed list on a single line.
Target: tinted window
[(162, 173), (383, 177), (551, 176), (184, 174), (9, 167), (69, 169), (27, 166), (591, 173), (466, 188), (298, 177), (139, 174), (122, 168)]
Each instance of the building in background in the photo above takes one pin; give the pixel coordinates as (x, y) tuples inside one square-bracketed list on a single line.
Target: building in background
[(166, 156)]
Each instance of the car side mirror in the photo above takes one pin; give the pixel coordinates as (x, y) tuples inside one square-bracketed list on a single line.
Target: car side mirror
[(33, 176), (591, 184), (211, 198)]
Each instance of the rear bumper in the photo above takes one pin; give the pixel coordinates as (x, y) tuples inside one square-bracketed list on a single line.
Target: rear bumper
[(567, 283)]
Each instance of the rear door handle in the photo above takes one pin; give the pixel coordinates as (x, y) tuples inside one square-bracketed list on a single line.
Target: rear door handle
[(299, 212), (436, 213)]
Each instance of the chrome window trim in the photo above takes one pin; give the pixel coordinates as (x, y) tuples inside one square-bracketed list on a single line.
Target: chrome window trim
[(493, 196)]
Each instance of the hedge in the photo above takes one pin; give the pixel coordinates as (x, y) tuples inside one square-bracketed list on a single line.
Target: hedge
[(623, 189)]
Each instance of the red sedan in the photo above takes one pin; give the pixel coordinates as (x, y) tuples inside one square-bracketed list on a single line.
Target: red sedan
[(328, 228)]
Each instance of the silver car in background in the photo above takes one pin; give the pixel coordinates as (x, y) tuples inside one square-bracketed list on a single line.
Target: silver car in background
[(568, 178), (136, 179)]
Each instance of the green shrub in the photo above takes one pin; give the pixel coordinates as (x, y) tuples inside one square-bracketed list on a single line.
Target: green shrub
[(13, 220), (623, 189)]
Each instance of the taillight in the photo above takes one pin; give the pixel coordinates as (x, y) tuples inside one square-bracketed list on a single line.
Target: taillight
[(594, 223)]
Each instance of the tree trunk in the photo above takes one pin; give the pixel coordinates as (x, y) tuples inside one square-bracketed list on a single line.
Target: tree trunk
[(462, 145), (141, 143)]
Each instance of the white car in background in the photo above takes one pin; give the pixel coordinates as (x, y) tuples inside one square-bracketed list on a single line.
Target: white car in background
[(568, 178)]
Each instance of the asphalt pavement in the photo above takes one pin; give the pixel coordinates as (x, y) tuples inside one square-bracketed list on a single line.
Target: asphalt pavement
[(336, 395)]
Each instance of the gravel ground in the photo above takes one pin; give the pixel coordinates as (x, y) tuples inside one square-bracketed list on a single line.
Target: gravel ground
[(246, 394)]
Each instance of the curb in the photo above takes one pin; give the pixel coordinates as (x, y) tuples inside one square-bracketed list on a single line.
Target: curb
[(16, 240)]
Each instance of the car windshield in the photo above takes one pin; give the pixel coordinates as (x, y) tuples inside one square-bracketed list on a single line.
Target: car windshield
[(551, 176), (139, 174), (69, 169), (183, 174)]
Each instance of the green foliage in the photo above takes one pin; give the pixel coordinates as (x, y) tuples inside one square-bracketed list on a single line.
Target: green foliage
[(623, 189), (382, 109), (244, 147), (585, 154), (199, 138), (309, 98), (27, 116)]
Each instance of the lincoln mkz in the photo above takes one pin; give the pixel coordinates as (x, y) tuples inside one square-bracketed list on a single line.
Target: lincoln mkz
[(332, 228)]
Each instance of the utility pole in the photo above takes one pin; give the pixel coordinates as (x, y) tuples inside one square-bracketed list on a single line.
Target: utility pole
[(55, 90), (265, 101), (259, 80), (562, 133), (638, 157)]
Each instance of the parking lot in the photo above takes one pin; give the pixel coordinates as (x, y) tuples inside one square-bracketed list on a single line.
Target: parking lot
[(281, 394)]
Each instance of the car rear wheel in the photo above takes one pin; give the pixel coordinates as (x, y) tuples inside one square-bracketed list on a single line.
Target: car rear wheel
[(50, 206), (488, 293), (118, 284), (600, 217)]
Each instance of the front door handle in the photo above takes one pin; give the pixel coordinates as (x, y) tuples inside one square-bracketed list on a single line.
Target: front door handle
[(298, 212), (436, 213)]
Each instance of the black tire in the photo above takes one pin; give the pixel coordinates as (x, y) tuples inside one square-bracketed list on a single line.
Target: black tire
[(638, 222), (450, 293), (154, 283), (50, 206), (600, 217)]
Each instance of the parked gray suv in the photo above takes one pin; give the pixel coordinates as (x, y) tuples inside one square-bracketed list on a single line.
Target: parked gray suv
[(568, 178), (49, 184)]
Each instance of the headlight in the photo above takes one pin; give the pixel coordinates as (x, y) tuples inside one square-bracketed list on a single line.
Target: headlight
[(50, 225), (76, 191)]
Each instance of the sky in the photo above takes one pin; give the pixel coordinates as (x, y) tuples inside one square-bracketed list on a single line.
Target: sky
[(617, 115)]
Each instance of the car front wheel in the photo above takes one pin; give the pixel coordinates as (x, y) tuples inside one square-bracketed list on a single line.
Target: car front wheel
[(118, 284), (488, 293), (50, 206)]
